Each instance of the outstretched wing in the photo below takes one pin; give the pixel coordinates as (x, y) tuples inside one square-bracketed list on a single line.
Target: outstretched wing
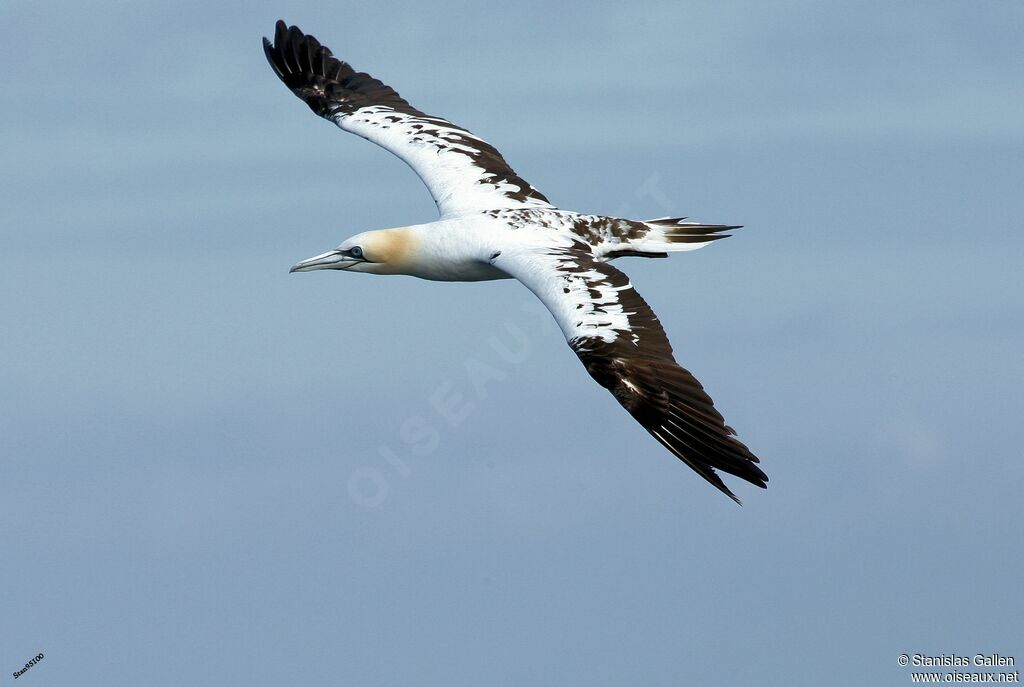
[(623, 346), (463, 173)]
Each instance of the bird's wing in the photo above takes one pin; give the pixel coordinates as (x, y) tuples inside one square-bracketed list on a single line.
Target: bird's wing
[(463, 173), (623, 346)]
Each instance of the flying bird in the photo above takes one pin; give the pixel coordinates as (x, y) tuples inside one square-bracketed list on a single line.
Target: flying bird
[(495, 225)]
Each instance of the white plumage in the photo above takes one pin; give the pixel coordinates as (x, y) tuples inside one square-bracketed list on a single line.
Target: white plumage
[(495, 225)]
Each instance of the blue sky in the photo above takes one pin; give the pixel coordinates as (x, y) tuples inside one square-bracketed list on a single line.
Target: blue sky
[(218, 473)]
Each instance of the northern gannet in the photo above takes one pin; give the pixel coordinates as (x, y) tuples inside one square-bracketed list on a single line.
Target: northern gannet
[(495, 225)]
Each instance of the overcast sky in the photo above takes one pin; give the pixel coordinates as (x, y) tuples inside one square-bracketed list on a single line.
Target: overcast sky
[(215, 472)]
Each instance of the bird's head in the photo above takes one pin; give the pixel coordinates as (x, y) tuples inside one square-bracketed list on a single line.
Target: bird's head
[(384, 251)]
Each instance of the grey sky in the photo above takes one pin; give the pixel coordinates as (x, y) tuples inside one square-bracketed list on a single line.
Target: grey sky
[(217, 473)]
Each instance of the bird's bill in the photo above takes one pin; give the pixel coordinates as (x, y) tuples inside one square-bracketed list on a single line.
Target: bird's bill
[(331, 260)]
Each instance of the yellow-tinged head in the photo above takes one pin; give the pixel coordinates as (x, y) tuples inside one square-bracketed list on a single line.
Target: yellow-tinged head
[(384, 251)]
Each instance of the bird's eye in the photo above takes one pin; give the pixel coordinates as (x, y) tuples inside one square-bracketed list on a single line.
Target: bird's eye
[(356, 251)]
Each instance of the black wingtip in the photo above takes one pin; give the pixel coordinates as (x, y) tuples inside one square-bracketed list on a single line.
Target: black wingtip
[(758, 479), (268, 50), (329, 86), (712, 477)]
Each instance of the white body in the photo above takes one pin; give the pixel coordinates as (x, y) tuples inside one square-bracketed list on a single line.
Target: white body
[(495, 225)]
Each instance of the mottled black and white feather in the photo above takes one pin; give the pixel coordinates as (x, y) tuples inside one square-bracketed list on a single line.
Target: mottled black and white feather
[(463, 173), (624, 348)]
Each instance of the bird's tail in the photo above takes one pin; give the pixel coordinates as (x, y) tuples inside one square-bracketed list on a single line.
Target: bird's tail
[(669, 235), (677, 233)]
